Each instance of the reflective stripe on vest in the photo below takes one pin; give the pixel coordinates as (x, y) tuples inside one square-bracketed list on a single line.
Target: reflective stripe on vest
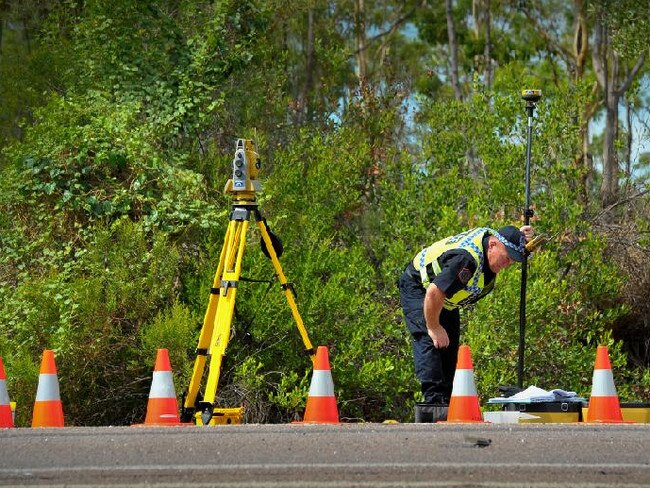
[(48, 388), (470, 241)]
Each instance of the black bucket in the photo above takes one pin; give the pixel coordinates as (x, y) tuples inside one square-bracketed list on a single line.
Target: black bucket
[(428, 413)]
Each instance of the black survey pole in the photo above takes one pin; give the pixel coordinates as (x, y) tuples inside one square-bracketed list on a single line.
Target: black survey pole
[(531, 97)]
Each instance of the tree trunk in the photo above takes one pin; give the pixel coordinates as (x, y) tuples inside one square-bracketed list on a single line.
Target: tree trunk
[(453, 50), (609, 185), (580, 50), (487, 51), (606, 67), (628, 145), (305, 98), (605, 77), (360, 32), (580, 38)]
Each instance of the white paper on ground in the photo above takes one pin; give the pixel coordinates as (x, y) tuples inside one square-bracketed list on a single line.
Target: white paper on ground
[(506, 417), (533, 394)]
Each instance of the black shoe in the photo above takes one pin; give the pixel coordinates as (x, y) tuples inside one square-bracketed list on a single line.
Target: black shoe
[(427, 413)]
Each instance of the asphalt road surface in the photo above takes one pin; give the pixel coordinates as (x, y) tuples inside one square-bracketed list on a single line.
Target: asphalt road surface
[(348, 455)]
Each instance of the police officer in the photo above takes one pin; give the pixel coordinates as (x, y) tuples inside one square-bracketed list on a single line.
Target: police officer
[(451, 273)]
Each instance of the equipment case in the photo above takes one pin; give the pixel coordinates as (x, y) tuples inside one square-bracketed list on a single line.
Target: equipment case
[(636, 412), (548, 412)]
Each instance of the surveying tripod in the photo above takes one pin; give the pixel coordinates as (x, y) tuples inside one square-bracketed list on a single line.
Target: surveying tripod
[(215, 332)]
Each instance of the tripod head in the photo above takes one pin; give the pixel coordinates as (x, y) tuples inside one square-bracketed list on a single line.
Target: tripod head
[(245, 167)]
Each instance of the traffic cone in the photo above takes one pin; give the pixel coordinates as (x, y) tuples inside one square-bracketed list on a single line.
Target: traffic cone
[(603, 402), (463, 405), (6, 417), (162, 408), (321, 403), (48, 409)]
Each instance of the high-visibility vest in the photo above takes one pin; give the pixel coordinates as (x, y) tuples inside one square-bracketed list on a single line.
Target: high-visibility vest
[(426, 262)]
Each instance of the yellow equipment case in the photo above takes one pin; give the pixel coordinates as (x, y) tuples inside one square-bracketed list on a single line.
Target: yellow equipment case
[(548, 412), (636, 412)]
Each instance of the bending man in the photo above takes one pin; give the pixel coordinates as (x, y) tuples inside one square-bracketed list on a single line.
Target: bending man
[(451, 273)]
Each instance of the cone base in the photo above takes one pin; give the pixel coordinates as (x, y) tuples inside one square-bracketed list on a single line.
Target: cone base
[(162, 411), (163, 421), (607, 422), (48, 413), (315, 422), (464, 409), (604, 410), (321, 410), (6, 419), (462, 422), (178, 424)]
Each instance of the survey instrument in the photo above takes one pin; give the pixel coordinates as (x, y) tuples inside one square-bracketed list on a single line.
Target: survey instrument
[(215, 334)]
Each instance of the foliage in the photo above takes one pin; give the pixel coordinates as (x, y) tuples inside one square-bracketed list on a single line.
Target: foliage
[(90, 313), (335, 285), (118, 126), (563, 324), (627, 22)]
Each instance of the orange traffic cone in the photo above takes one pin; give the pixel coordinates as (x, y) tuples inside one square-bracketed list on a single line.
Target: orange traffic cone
[(48, 409), (603, 403), (463, 405), (321, 403), (162, 408), (6, 418)]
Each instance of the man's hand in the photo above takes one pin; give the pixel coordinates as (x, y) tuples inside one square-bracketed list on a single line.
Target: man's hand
[(433, 302), (527, 231), (439, 337)]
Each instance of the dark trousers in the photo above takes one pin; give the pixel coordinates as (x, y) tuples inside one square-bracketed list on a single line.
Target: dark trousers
[(435, 368)]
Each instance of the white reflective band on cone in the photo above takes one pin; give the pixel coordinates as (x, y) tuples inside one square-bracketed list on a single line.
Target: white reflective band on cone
[(4, 396), (603, 383), (48, 388), (162, 385), (322, 384), (463, 383)]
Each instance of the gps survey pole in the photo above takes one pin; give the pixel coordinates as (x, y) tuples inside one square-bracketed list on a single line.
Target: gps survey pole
[(531, 97)]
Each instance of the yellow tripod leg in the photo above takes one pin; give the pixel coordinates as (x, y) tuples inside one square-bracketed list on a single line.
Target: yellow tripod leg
[(225, 310), (205, 336), (217, 323), (288, 291)]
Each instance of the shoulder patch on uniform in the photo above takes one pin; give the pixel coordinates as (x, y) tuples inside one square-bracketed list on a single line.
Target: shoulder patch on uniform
[(464, 275)]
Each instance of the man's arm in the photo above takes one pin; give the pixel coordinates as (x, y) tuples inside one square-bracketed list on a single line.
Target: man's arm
[(433, 302)]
